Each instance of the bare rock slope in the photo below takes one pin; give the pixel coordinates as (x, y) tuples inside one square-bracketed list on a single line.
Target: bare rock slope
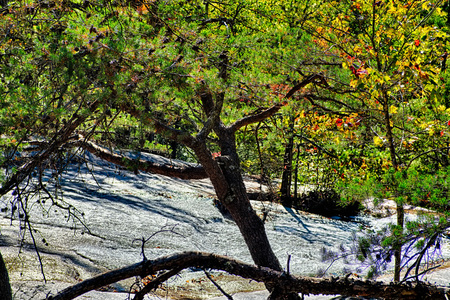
[(119, 209)]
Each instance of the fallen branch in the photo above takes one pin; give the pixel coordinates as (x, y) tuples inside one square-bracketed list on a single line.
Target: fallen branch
[(289, 284), (184, 171), (61, 137)]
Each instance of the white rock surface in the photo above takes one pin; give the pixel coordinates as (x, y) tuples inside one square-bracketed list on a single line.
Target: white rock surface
[(121, 208)]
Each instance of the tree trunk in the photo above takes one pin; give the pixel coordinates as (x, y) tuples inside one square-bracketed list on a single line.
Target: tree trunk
[(5, 287), (250, 224), (237, 203), (400, 208), (286, 181), (225, 175)]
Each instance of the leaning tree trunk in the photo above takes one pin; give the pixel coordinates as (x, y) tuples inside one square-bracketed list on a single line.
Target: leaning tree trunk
[(5, 287), (236, 201), (224, 173), (250, 224)]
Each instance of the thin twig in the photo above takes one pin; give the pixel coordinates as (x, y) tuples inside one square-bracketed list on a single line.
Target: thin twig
[(229, 297), (145, 240), (288, 267), (155, 283)]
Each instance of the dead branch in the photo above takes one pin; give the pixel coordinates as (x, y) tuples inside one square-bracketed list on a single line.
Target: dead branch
[(228, 296), (57, 141), (289, 284), (155, 283), (184, 171), (256, 118)]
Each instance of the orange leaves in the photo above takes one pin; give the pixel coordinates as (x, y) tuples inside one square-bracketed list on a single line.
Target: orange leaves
[(279, 90), (142, 10), (146, 280), (351, 121), (276, 88)]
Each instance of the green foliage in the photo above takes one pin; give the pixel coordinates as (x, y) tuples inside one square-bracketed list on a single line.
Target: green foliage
[(375, 125), (415, 186)]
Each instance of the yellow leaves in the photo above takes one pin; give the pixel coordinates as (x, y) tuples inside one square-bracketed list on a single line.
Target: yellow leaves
[(357, 49), (441, 108), (363, 165), (354, 83), (426, 6), (377, 141), (386, 164), (375, 94), (439, 12), (353, 115), (337, 140), (393, 109)]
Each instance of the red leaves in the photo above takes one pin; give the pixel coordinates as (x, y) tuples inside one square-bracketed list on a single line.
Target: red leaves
[(417, 43), (377, 3), (339, 122), (360, 72)]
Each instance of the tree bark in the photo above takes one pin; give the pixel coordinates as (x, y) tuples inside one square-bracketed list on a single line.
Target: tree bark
[(237, 203), (286, 179), (232, 193), (400, 209), (185, 171), (289, 284), (5, 287)]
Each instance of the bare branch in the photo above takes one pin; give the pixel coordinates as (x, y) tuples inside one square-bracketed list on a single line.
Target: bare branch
[(295, 284), (155, 283), (184, 171), (228, 296), (256, 118), (314, 78)]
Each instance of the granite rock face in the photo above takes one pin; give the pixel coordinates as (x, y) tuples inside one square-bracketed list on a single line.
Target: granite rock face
[(118, 209)]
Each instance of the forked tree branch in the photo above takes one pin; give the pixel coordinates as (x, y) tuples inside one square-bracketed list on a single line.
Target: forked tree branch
[(314, 78), (238, 124), (289, 284)]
